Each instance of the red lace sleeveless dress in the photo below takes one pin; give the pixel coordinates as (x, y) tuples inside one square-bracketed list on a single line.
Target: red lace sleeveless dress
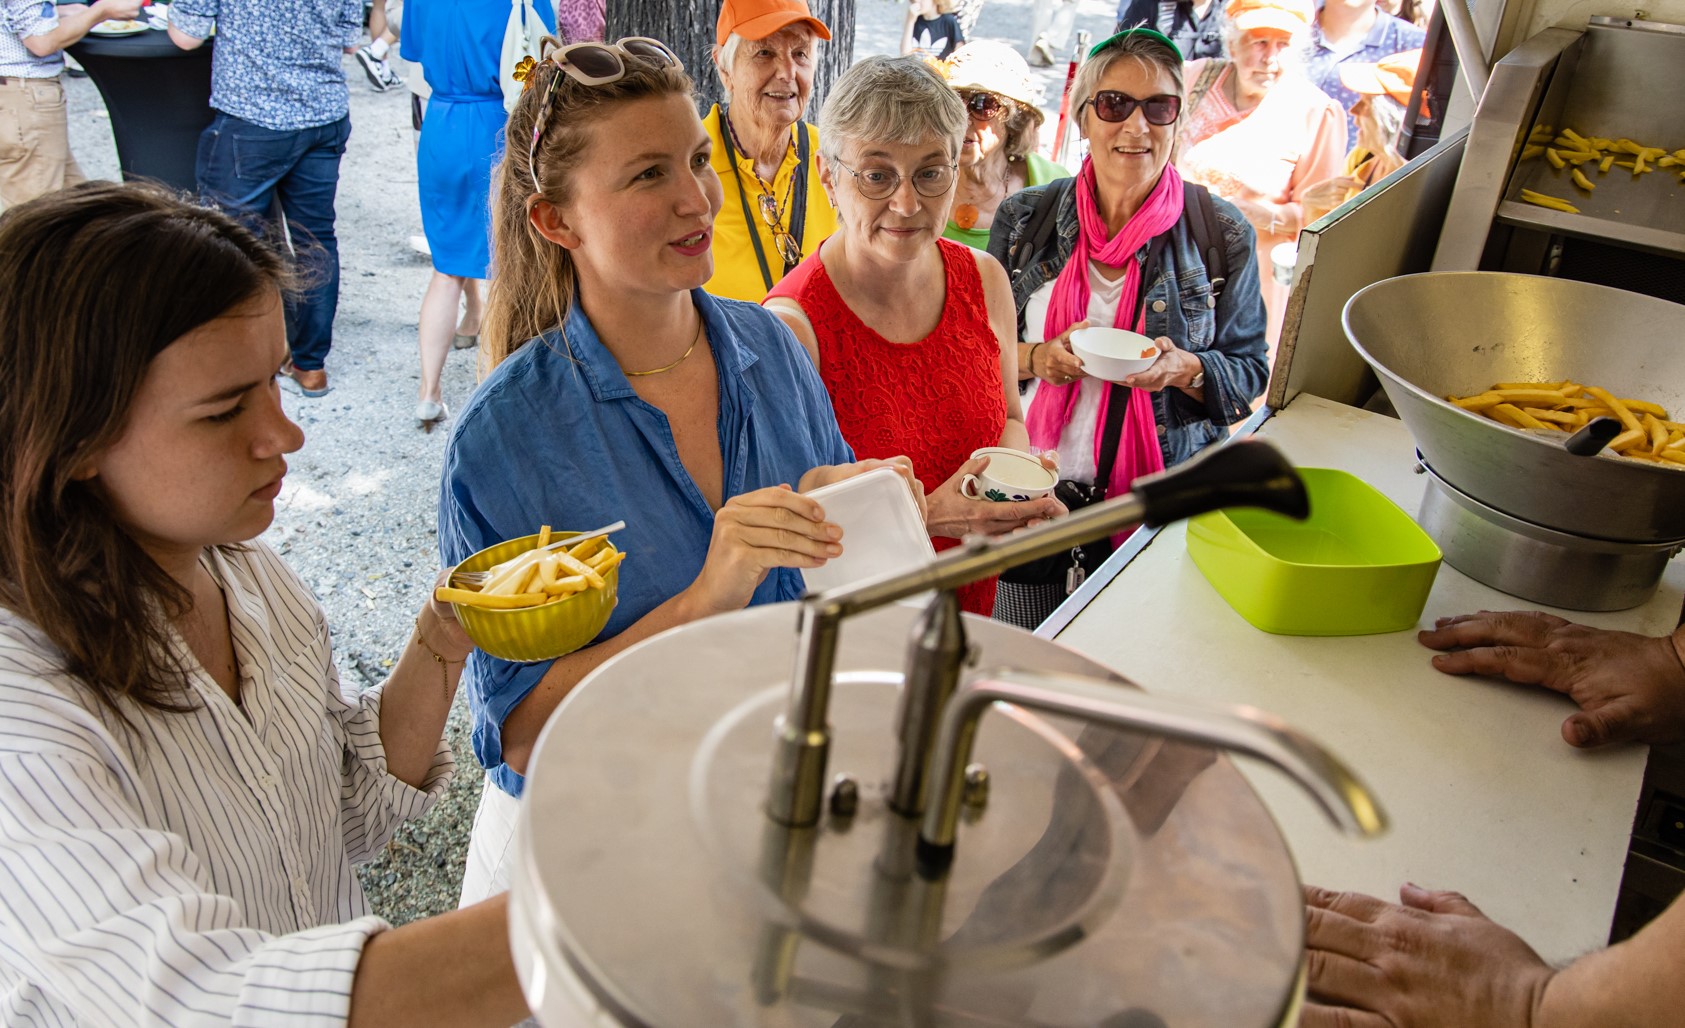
[(935, 400)]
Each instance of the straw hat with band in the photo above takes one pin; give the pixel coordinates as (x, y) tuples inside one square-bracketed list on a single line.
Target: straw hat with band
[(1288, 17), (758, 19), (993, 68), (1392, 76)]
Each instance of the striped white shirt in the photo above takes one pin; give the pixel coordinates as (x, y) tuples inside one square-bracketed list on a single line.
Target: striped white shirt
[(198, 869), (22, 19)]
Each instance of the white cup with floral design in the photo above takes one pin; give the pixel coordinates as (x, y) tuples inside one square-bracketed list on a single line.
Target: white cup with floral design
[(1012, 476)]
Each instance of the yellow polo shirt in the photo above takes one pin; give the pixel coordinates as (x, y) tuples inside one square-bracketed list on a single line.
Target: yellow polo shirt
[(736, 272)]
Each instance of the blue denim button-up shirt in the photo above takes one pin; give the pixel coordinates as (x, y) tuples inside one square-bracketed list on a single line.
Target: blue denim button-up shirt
[(1227, 336), (564, 440), (277, 62)]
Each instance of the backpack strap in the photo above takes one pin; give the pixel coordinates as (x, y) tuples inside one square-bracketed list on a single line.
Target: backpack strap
[(1208, 234), (1038, 231), (1208, 76)]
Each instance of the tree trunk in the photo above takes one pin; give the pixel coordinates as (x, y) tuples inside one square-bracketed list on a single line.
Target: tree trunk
[(688, 27)]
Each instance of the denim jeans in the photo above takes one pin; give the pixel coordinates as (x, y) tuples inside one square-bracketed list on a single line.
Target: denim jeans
[(248, 170)]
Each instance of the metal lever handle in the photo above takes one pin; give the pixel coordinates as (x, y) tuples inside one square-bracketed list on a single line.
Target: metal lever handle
[(1345, 799), (1240, 473)]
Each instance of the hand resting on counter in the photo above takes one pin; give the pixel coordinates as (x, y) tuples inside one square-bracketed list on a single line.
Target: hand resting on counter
[(1629, 687), (1436, 959)]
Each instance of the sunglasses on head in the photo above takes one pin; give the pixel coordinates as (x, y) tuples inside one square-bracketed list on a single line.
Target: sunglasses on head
[(986, 106), (591, 64), (1111, 105)]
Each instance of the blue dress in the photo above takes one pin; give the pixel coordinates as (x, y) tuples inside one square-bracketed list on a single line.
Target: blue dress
[(458, 44)]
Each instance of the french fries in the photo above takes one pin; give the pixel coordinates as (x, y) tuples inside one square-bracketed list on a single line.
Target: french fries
[(1554, 203), (538, 577), (1567, 150), (1647, 434)]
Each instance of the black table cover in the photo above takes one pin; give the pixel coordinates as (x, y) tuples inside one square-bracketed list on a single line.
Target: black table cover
[(159, 98)]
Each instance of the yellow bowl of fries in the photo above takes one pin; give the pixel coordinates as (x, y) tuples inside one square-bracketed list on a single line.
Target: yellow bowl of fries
[(553, 617)]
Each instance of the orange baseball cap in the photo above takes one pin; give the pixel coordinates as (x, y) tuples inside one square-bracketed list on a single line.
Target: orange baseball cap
[(758, 19), (1394, 75), (1289, 17)]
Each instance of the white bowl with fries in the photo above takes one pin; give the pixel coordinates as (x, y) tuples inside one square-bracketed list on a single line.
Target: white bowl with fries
[(552, 610)]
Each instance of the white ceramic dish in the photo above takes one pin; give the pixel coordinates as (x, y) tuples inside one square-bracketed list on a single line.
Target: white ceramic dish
[(1112, 354), (882, 529), (1011, 476)]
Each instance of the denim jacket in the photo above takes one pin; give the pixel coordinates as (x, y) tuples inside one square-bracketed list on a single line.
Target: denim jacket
[(1226, 334)]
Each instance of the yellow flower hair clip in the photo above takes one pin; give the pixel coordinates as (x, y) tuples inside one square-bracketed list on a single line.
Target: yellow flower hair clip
[(524, 72)]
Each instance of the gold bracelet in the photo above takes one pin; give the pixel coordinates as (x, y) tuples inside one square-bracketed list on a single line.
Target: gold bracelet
[(438, 658), (1032, 361)]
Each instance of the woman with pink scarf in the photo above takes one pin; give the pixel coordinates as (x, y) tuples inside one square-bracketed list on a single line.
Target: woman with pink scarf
[(1126, 244)]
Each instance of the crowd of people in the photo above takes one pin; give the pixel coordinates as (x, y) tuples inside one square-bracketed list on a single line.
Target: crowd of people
[(705, 315)]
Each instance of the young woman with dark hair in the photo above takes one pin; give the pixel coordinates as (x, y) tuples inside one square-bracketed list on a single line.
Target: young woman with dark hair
[(183, 784)]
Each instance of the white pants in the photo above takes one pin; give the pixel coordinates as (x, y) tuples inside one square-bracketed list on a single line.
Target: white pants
[(1053, 18), (490, 845)]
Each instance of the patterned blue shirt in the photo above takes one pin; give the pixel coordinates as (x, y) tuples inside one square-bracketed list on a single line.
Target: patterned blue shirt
[(25, 18), (556, 434), (277, 62), (1388, 36)]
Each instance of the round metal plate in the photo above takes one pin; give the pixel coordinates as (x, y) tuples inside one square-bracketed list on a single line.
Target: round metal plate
[(1112, 879)]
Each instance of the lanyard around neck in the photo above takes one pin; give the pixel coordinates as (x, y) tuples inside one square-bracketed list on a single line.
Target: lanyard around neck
[(798, 197)]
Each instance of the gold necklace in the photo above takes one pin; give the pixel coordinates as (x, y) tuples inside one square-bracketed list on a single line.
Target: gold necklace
[(682, 356)]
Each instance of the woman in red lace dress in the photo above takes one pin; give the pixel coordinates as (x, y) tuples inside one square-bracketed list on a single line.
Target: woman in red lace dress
[(914, 335)]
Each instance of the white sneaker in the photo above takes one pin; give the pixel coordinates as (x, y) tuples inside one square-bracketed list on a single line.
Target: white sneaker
[(375, 69), (429, 411), (1041, 53)]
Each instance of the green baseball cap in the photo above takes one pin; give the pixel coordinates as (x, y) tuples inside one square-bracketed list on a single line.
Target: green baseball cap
[(1153, 34)]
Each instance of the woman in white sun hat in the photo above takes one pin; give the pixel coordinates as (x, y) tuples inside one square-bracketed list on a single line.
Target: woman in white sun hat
[(998, 157)]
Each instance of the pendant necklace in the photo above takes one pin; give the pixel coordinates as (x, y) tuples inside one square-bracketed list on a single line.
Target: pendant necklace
[(966, 215)]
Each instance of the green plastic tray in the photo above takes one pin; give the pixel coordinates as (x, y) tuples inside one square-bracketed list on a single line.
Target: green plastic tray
[(1359, 565)]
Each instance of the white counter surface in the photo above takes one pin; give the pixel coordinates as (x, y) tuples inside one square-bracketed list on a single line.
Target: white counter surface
[(1484, 796)]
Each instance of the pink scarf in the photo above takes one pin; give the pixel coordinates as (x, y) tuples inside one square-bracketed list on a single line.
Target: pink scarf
[(1050, 411)]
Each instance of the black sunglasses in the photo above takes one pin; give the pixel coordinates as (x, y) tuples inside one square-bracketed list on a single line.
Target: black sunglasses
[(987, 106), (1111, 105)]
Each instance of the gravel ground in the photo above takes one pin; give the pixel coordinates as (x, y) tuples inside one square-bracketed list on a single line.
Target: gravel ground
[(356, 517)]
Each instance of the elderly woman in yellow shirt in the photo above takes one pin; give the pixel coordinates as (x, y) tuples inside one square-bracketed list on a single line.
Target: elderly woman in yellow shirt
[(775, 212)]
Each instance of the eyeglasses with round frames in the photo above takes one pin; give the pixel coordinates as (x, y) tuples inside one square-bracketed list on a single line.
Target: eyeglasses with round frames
[(881, 183), (591, 64), (983, 105), (781, 237), (1111, 105)]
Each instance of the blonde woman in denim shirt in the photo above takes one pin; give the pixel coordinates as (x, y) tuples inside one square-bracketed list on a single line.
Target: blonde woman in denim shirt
[(1144, 271), (621, 390)]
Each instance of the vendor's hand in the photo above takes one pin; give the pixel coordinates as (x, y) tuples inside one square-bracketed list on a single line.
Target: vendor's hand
[(1629, 687), (831, 473), (955, 515), (448, 637), (754, 533), (1174, 367), (1053, 360), (118, 10), (1437, 960)]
